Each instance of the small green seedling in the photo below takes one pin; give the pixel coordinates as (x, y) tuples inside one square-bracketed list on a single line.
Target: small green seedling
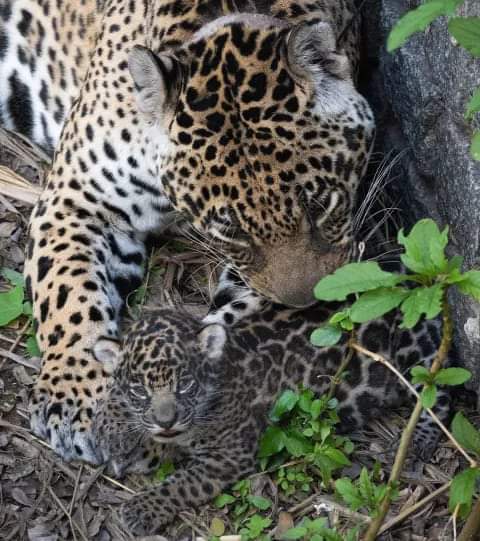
[(13, 305)]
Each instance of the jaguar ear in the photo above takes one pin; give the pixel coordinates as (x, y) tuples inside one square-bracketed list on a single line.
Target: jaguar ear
[(156, 78), (312, 49), (212, 339), (107, 352)]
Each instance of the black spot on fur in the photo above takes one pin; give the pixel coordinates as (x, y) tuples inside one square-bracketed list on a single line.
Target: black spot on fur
[(44, 265), (20, 105)]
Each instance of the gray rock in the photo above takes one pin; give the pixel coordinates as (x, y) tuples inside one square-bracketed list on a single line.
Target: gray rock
[(420, 93)]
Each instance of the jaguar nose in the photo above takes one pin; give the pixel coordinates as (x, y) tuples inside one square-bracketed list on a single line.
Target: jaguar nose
[(164, 421), (164, 411)]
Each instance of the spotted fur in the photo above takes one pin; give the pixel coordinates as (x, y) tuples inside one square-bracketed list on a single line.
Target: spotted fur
[(239, 120), (204, 392)]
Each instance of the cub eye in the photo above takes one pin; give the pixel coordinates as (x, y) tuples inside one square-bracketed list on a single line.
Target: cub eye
[(186, 385), (138, 391)]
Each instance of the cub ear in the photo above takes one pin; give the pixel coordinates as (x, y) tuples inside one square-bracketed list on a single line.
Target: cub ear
[(212, 339), (107, 352), (156, 78), (312, 49)]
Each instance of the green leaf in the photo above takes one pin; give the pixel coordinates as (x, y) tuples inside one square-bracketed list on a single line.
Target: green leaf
[(32, 347), (297, 444), (27, 308), (455, 263), (166, 469), (326, 336), (217, 527), (338, 316), (259, 502), (354, 278), (223, 499), (376, 303), (452, 376), (466, 30), (317, 408), (418, 19), (367, 488), (295, 533), (475, 146), (14, 277), (466, 434), (346, 324), (473, 105), (337, 456), (257, 524), (462, 489), (421, 300), (425, 248), (470, 284), (305, 400), (272, 442), (285, 403), (420, 375), (428, 396), (11, 305), (349, 493)]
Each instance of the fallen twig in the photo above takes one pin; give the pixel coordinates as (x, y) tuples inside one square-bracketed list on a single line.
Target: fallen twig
[(73, 525), (6, 424), (415, 507)]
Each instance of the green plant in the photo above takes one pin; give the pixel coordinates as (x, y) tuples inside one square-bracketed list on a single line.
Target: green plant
[(465, 31), (244, 508), (444, 376), (304, 430), (419, 293), (13, 306), (294, 478), (166, 469), (317, 530), (364, 492)]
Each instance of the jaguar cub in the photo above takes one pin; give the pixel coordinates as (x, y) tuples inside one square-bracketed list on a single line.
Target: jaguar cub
[(201, 395)]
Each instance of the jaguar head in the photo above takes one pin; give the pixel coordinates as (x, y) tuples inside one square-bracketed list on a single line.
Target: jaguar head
[(262, 140), (165, 370)]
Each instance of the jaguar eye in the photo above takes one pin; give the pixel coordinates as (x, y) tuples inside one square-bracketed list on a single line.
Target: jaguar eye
[(138, 391), (186, 386)]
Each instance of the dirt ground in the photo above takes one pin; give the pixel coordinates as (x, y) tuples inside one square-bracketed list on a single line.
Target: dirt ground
[(43, 498)]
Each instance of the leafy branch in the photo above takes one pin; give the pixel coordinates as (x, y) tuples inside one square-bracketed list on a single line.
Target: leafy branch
[(422, 292)]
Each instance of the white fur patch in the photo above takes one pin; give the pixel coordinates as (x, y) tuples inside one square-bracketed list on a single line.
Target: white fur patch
[(252, 20)]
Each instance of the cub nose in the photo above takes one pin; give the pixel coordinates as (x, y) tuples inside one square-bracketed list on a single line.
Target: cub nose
[(165, 420), (164, 411)]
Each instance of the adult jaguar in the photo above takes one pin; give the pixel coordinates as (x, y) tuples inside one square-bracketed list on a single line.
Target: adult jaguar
[(204, 393), (248, 128)]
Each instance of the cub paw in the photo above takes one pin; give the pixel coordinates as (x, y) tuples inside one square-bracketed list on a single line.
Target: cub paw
[(142, 515), (62, 407)]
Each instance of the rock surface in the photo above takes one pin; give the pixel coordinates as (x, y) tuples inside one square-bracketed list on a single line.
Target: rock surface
[(419, 94)]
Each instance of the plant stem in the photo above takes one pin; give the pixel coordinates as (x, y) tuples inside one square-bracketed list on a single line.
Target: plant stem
[(471, 530), (343, 365), (400, 457)]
